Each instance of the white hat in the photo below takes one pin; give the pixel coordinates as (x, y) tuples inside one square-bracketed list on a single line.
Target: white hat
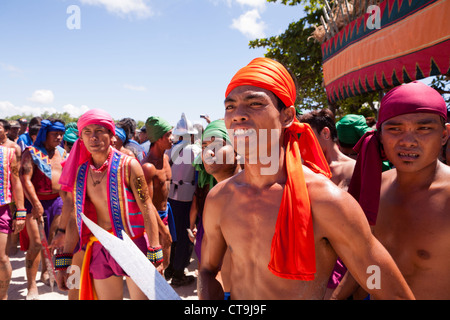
[(184, 126)]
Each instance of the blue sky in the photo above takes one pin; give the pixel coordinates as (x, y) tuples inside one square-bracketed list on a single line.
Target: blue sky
[(133, 58)]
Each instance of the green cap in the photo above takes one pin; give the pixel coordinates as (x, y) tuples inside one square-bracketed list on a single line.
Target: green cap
[(156, 128), (351, 128), (217, 129)]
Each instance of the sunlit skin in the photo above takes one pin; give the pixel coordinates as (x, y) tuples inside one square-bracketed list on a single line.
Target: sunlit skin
[(413, 142), (97, 140), (240, 215), (158, 173), (28, 169), (413, 221), (218, 157)]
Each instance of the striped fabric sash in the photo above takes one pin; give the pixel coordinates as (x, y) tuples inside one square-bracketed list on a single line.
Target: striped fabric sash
[(42, 161), (124, 211), (6, 156)]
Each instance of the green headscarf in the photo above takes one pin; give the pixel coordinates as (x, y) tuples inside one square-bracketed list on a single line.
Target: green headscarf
[(71, 134), (217, 129), (156, 127), (351, 128)]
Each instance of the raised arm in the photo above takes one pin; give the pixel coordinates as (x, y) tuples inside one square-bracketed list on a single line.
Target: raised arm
[(344, 224)]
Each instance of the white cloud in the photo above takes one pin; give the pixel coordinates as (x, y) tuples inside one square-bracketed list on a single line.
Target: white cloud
[(8, 109), (12, 70), (74, 111), (42, 96), (122, 8), (260, 4), (134, 88), (250, 24), (217, 2)]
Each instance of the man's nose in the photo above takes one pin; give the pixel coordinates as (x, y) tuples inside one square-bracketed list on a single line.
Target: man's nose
[(409, 139), (240, 114)]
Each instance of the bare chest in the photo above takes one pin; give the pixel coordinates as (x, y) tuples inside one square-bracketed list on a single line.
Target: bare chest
[(415, 229), (248, 227), (96, 190)]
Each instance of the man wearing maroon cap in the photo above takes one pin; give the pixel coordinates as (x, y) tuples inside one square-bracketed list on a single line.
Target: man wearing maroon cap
[(412, 217)]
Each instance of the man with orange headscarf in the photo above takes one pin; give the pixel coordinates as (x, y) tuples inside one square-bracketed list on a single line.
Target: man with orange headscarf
[(284, 227)]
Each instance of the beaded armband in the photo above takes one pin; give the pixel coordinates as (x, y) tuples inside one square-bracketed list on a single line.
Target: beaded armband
[(63, 261), (21, 214), (155, 254)]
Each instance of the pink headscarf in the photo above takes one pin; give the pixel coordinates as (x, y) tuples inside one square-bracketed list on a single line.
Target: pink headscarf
[(414, 97), (79, 154)]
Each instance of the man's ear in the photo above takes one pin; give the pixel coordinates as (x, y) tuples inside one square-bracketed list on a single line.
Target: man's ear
[(446, 133), (325, 133), (287, 116)]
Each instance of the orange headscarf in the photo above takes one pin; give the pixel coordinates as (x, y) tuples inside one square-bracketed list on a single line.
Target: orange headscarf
[(292, 250)]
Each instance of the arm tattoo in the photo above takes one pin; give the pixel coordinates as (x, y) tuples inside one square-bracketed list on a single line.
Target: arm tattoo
[(141, 188), (15, 170), (26, 168)]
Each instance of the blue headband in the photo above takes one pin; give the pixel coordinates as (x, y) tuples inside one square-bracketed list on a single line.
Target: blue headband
[(121, 134), (47, 126)]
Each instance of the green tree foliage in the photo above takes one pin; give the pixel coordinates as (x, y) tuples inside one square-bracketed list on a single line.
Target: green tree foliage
[(65, 116), (302, 55)]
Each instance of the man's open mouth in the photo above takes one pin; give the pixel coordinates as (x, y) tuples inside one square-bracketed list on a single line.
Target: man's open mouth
[(408, 155)]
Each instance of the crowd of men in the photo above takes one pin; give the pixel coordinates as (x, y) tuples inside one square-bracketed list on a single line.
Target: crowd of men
[(334, 205)]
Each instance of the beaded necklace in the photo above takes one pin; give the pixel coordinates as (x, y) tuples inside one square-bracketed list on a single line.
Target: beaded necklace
[(103, 167)]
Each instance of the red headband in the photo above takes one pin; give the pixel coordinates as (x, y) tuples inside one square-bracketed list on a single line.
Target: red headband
[(414, 97)]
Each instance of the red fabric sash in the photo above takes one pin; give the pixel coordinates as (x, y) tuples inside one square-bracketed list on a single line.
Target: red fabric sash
[(293, 249)]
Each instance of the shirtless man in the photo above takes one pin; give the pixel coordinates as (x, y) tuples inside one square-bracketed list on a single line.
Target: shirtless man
[(10, 221), (241, 213), (158, 174), (119, 139), (341, 166), (92, 166), (413, 219), (219, 162), (5, 127), (349, 130), (40, 171)]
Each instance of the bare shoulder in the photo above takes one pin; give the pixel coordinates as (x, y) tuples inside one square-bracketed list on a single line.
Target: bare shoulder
[(26, 157), (444, 176), (322, 191), (388, 176), (135, 167), (166, 158), (331, 206), (440, 189), (149, 169), (220, 195), (222, 190)]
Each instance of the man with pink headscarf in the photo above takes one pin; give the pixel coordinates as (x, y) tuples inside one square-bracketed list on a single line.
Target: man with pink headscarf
[(409, 206), (109, 188)]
